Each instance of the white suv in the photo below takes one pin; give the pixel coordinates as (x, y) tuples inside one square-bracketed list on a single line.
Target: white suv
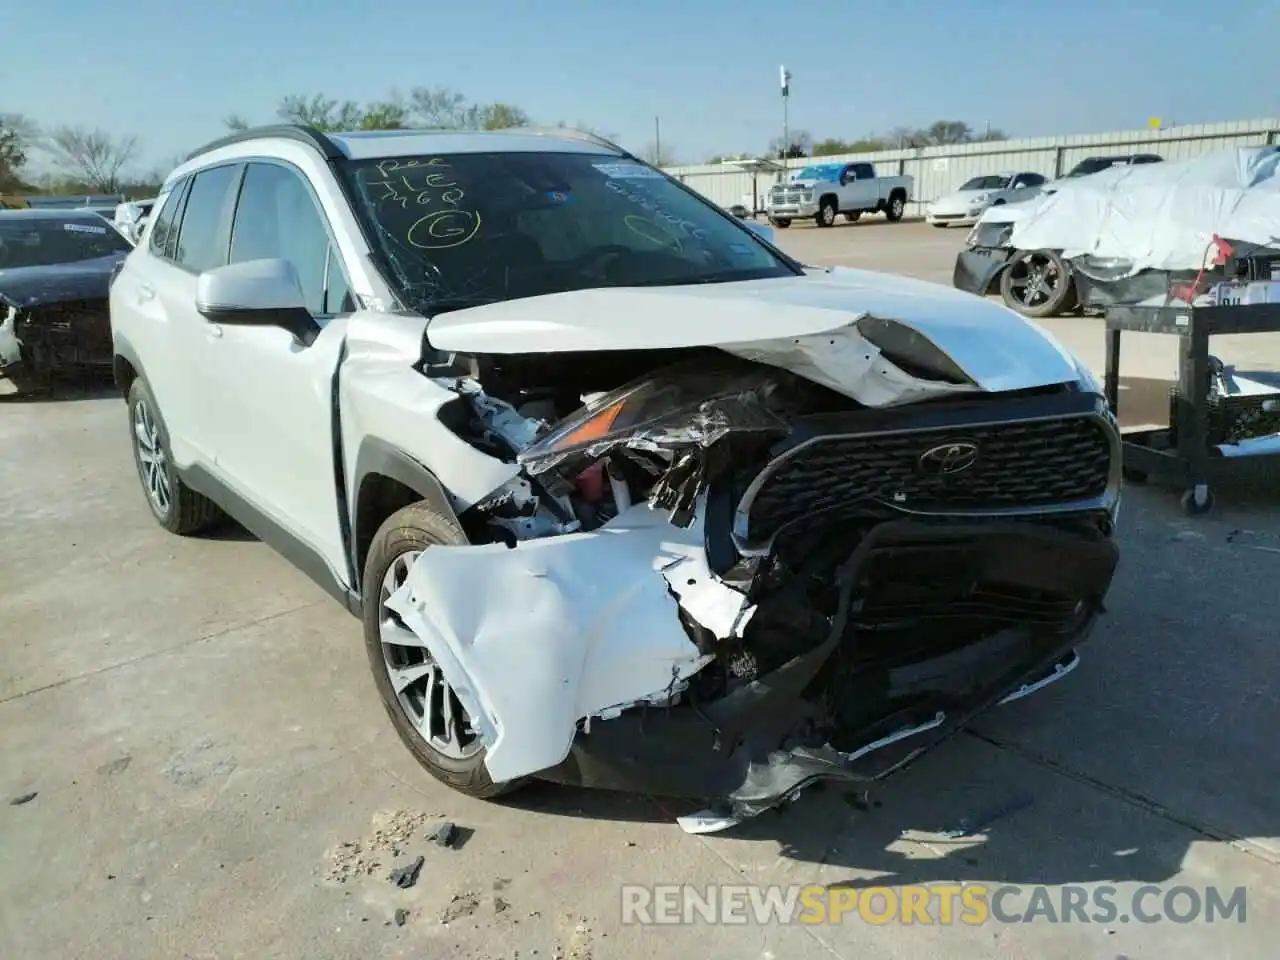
[(624, 495)]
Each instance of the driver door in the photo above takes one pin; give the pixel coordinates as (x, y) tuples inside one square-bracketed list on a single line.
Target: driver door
[(275, 442)]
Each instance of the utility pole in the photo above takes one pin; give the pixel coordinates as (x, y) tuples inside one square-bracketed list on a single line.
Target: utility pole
[(785, 74), (657, 143)]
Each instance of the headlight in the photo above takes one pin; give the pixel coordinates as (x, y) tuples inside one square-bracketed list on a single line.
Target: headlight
[(680, 406)]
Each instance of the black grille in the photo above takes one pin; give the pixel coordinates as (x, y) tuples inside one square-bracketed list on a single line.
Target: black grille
[(1019, 465)]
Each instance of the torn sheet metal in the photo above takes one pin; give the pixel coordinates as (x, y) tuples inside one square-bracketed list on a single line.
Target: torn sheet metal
[(845, 361), (535, 638)]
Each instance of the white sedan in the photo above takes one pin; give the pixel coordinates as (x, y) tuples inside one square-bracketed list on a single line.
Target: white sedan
[(965, 205)]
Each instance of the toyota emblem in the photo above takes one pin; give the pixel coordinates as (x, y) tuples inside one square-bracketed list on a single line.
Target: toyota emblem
[(947, 459)]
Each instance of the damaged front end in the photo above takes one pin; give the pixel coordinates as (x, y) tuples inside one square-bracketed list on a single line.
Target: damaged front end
[(40, 341), (726, 581)]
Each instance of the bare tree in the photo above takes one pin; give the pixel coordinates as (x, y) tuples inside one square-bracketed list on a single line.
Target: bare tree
[(235, 123), (659, 155), (95, 156), (501, 116), (801, 145), (438, 108)]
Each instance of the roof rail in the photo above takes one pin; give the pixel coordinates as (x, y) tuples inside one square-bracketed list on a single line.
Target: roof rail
[(280, 131), (572, 134)]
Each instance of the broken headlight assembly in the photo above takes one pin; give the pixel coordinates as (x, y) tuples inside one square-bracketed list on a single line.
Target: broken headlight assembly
[(678, 407)]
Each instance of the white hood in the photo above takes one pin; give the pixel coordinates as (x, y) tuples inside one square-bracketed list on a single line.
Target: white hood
[(803, 324)]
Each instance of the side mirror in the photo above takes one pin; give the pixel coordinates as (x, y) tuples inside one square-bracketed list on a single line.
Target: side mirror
[(256, 293), (763, 230)]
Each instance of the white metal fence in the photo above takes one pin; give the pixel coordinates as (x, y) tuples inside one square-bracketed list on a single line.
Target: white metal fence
[(939, 170)]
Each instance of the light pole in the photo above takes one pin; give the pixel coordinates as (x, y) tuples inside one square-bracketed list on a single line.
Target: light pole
[(785, 75)]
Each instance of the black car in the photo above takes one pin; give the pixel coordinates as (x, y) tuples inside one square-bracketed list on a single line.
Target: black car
[(55, 270), (1098, 164)]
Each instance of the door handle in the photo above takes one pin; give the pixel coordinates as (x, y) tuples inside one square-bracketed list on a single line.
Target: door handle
[(146, 292)]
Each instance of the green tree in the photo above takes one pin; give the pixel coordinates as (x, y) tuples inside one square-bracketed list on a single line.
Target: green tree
[(13, 152)]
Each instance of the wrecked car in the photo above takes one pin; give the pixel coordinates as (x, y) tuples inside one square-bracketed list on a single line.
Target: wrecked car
[(1132, 233), (624, 495), (55, 268)]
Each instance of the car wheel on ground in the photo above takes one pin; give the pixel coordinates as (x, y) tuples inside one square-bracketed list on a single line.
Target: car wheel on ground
[(853, 217), (780, 222), (826, 215), (1038, 283), (176, 507), (422, 706), (897, 207)]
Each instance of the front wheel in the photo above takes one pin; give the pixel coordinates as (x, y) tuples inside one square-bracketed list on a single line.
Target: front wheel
[(423, 707), (826, 216)]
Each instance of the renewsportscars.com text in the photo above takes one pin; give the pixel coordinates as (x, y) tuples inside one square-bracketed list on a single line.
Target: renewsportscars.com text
[(970, 904)]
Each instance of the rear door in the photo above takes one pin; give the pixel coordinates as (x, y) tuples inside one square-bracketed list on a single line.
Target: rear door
[(199, 243)]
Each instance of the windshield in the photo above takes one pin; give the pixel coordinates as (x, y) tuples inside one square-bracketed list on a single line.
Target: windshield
[(820, 171), (986, 183), (477, 228), (42, 242)]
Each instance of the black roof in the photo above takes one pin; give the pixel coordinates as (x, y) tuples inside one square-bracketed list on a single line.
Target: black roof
[(281, 131)]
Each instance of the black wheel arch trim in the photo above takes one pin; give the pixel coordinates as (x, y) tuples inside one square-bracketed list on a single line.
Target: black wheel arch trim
[(122, 349), (376, 457)]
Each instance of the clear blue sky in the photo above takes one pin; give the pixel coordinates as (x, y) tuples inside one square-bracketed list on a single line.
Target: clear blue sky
[(170, 71)]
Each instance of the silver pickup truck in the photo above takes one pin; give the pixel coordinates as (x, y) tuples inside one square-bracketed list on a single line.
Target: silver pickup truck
[(823, 190)]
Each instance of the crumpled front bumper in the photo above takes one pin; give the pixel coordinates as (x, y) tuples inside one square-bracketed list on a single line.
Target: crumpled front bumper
[(571, 657)]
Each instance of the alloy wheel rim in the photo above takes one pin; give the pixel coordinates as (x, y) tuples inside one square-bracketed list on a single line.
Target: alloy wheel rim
[(423, 695), (1034, 280), (152, 462)]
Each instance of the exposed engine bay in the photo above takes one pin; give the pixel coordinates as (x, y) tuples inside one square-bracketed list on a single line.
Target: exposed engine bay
[(743, 580)]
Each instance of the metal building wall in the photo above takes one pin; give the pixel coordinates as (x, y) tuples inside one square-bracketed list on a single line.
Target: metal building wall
[(939, 170)]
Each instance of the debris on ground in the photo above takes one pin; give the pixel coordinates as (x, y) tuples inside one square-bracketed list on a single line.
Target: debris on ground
[(446, 834), (392, 833), (971, 825), (24, 798), (461, 905), (118, 765), (405, 877), (401, 916)]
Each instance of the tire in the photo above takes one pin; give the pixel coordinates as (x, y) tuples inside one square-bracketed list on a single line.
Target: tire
[(896, 208), (853, 217), (826, 215), (1017, 277), (1197, 501), (176, 507), (413, 529), (781, 223)]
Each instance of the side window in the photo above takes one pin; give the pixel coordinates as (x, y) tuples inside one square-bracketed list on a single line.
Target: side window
[(202, 238), (165, 227), (277, 216), (1029, 180), (864, 171)]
